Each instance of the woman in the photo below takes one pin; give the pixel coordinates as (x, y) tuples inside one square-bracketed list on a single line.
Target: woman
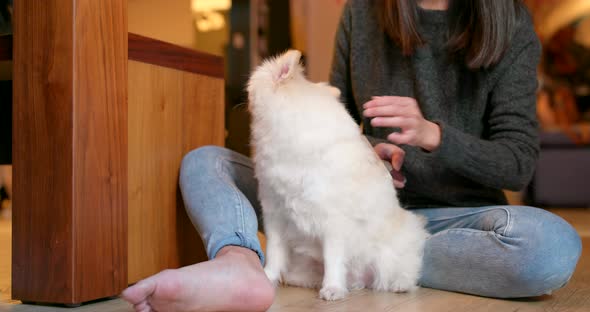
[(459, 81), (464, 80)]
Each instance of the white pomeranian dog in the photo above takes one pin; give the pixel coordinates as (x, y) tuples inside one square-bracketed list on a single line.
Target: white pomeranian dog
[(331, 213)]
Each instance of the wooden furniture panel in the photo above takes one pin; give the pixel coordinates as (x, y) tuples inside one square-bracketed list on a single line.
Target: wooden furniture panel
[(69, 150), (164, 54), (42, 136), (100, 148), (5, 47), (171, 112), (80, 159)]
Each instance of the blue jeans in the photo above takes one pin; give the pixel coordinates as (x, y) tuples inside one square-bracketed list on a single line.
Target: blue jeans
[(498, 251)]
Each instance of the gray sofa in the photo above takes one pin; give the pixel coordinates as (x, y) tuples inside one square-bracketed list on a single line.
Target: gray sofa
[(562, 178)]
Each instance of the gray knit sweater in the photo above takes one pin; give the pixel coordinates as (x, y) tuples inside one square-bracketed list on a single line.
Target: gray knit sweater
[(487, 117)]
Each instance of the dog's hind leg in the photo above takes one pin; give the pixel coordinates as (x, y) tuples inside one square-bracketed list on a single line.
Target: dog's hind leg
[(395, 273), (304, 272)]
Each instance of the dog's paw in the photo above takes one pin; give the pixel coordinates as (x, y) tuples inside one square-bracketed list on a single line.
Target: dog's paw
[(403, 286), (332, 293), (273, 276), (358, 285)]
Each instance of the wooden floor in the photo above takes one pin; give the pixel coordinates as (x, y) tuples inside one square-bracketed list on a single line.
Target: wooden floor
[(5, 262), (574, 297)]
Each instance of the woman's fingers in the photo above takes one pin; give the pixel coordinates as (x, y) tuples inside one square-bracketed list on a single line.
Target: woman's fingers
[(402, 138), (391, 122), (378, 101), (399, 181), (394, 155), (375, 102), (383, 151), (391, 153), (397, 159), (385, 110), (391, 106)]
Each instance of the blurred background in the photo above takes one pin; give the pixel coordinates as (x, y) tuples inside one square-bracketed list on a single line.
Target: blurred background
[(243, 32), (563, 104)]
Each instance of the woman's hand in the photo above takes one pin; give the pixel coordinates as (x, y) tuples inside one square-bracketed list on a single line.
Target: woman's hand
[(395, 155), (403, 113)]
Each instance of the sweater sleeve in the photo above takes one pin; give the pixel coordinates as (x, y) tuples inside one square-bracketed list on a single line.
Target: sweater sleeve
[(340, 71), (506, 157)]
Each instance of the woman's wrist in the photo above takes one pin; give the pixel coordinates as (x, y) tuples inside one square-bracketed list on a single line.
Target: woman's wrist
[(432, 138)]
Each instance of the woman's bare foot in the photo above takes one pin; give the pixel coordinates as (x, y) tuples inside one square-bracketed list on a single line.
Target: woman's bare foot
[(233, 281)]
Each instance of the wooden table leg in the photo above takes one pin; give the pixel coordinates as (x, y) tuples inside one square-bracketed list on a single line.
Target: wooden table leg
[(70, 150)]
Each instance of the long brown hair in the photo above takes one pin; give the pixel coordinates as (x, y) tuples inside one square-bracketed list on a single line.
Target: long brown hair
[(481, 30)]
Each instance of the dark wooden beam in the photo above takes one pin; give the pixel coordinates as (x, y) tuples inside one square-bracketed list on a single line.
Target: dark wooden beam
[(156, 52)]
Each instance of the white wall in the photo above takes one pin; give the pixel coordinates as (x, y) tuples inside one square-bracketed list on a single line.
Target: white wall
[(314, 25)]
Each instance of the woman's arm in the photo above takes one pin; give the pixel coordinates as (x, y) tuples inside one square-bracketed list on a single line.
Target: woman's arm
[(340, 72), (506, 157)]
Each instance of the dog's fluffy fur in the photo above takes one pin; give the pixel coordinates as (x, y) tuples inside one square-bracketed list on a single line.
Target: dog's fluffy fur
[(331, 213)]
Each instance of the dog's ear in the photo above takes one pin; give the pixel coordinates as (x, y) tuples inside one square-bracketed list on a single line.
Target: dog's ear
[(287, 65)]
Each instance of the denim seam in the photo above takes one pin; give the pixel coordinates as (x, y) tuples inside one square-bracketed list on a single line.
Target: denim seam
[(238, 161), (464, 215), (233, 240), (252, 246), (228, 181), (464, 230), (508, 217), (509, 223), (492, 234), (238, 239)]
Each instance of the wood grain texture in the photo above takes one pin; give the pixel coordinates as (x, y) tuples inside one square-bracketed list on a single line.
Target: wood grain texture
[(69, 152), (148, 50), (6, 48), (42, 184), (171, 112), (100, 149)]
